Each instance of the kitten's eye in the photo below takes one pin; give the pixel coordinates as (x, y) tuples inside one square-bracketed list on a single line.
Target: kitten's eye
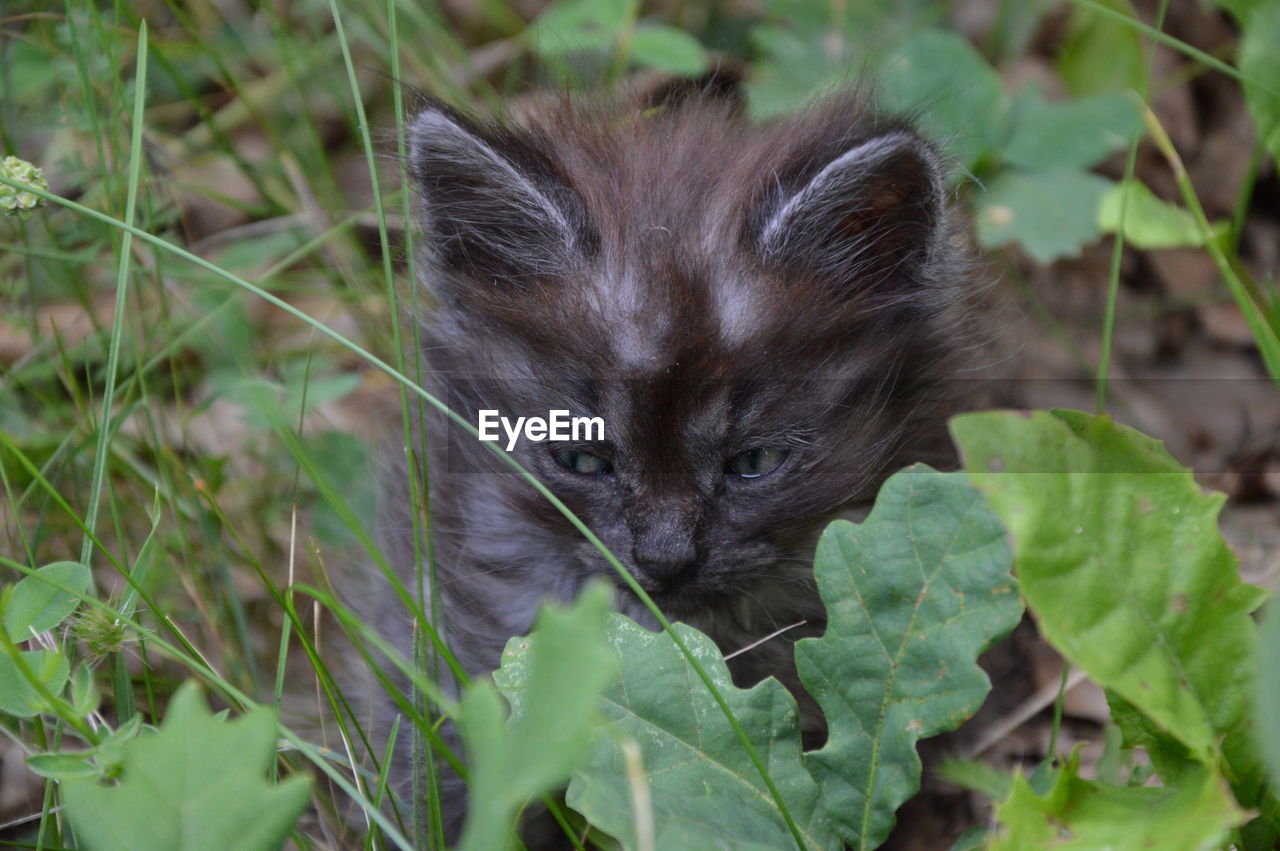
[(583, 463), (756, 462)]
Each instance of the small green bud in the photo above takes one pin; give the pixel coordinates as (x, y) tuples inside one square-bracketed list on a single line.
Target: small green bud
[(101, 634), (13, 201)]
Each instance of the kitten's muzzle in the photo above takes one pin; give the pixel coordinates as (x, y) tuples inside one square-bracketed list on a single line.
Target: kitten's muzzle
[(668, 574), (667, 563)]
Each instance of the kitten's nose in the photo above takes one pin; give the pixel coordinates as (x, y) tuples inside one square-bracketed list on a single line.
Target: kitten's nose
[(669, 562)]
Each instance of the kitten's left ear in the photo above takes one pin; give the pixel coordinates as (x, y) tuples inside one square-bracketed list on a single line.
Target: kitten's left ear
[(493, 207), (868, 217)]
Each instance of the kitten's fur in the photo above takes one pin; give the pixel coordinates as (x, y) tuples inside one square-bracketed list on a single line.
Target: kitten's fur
[(707, 287)]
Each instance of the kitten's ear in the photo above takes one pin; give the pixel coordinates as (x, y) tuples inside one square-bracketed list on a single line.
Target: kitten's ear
[(494, 209), (870, 216)]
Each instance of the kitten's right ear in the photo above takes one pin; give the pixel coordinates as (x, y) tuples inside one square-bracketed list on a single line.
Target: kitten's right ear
[(869, 219), (493, 208)]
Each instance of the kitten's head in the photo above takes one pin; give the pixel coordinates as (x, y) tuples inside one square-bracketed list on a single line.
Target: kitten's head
[(755, 312)]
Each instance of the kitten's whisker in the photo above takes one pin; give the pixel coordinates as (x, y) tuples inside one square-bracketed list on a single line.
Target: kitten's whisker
[(760, 641)]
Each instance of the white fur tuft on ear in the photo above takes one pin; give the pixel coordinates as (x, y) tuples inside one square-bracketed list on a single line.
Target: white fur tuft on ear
[(486, 213), (865, 213)]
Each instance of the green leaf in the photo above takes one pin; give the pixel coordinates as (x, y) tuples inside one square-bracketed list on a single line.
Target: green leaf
[(1120, 558), (1268, 697), (314, 381), (344, 458), (1051, 213), (1080, 814), (110, 752), (807, 48), (1101, 54), (252, 254), (704, 790), (792, 71), (36, 605), (272, 404), (960, 98), (973, 839), (1149, 222), (1240, 8), (914, 594), (1016, 24), (1170, 758), (84, 697), (260, 398), (1260, 65), (553, 680), (979, 776), (1072, 133), (123, 733), (30, 71), (575, 26), (17, 695), (198, 784), (668, 49), (61, 766)]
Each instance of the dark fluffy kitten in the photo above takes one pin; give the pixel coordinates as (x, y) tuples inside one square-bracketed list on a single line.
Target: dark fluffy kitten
[(759, 313)]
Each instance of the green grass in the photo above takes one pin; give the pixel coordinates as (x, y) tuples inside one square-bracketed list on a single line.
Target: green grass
[(145, 498)]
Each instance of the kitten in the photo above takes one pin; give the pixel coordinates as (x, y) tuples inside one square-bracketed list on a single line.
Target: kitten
[(759, 314)]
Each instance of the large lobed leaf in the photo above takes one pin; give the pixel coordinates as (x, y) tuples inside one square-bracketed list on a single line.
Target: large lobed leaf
[(1119, 557), (913, 595), (1051, 213), (705, 791), (961, 102), (1051, 135), (198, 784)]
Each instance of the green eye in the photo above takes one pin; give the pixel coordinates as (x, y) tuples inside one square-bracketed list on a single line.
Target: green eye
[(583, 463), (756, 462)]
